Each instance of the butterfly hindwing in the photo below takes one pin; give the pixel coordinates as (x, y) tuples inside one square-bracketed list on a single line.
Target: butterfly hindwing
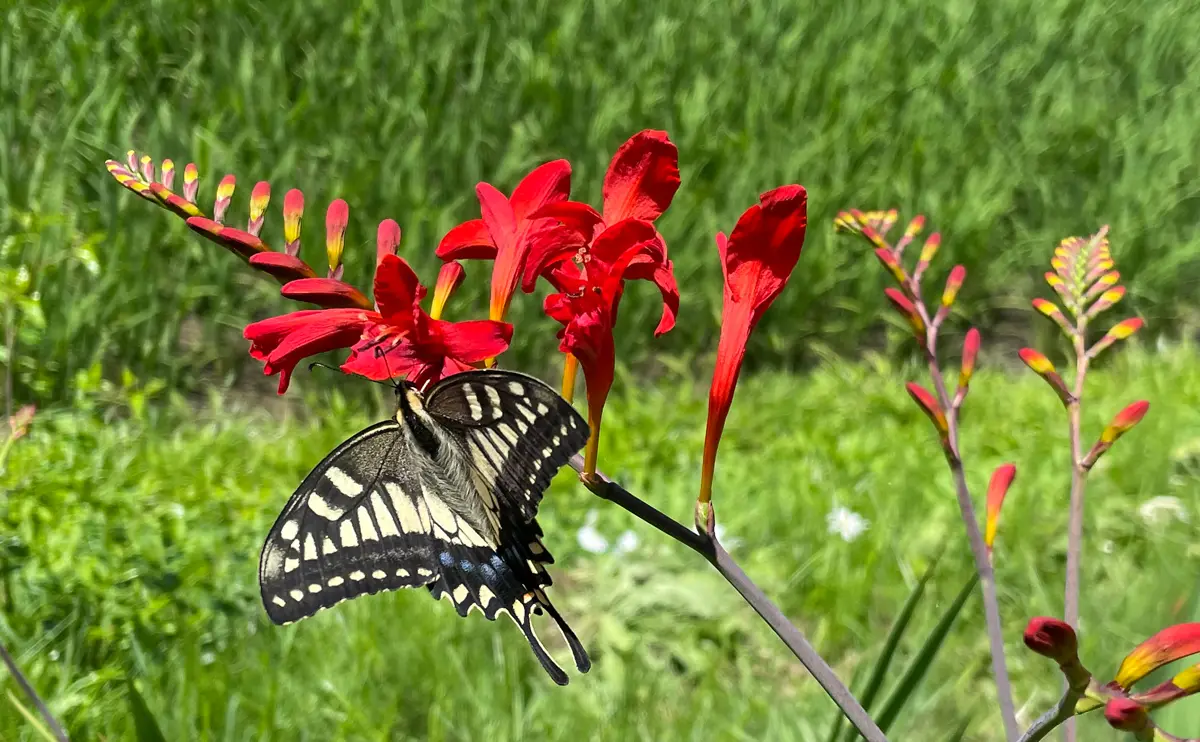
[(358, 524), (518, 432)]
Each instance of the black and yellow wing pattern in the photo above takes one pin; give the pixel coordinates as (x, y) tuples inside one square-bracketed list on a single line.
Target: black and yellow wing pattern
[(445, 496)]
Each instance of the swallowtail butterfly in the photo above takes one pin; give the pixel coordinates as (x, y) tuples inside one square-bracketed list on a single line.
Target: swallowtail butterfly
[(442, 496)]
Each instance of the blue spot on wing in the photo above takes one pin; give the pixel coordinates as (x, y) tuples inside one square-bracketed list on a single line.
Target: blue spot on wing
[(466, 566), (446, 559)]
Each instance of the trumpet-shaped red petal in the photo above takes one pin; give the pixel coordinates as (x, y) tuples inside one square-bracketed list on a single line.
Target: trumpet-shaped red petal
[(468, 241), (283, 341), (757, 259), (397, 291), (642, 178), (548, 183), (763, 249), (580, 218), (510, 226)]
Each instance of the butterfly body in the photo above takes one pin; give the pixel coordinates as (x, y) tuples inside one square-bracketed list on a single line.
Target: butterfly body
[(442, 496)]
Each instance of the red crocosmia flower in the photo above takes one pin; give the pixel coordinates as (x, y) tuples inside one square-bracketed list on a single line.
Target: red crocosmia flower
[(566, 263), (508, 227), (640, 184), (396, 339), (587, 310), (757, 259)]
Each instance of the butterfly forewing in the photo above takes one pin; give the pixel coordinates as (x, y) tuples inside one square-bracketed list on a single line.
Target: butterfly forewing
[(518, 432), (359, 523)]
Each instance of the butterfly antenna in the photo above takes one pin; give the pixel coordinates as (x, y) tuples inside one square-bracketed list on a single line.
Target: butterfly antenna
[(380, 354), (318, 364)]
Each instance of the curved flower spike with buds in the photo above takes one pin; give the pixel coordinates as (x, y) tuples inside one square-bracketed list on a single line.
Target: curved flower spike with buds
[(1001, 480), (1125, 420), (757, 260), (1119, 331), (1042, 366)]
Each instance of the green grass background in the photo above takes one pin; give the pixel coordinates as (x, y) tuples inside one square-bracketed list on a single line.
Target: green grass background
[(1011, 125), (133, 514), (131, 547)]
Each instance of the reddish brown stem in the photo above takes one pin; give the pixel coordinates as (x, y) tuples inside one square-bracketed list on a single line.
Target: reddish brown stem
[(983, 564), (1078, 482)]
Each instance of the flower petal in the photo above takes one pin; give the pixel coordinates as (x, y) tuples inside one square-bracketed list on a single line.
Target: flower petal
[(549, 244), (501, 224), (546, 184), (573, 215), (474, 340), (763, 249), (283, 341), (642, 178), (325, 292), (468, 241), (1168, 645), (397, 290)]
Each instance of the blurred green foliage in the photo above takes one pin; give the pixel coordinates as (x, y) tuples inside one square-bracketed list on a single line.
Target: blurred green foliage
[(1010, 124), (130, 541)]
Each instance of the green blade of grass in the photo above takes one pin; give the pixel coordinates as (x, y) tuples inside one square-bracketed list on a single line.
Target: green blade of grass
[(920, 663), (143, 719), (29, 716), (888, 652)]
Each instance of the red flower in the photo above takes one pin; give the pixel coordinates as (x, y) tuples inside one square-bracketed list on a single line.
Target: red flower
[(587, 308), (757, 259), (396, 339), (508, 227), (639, 186)]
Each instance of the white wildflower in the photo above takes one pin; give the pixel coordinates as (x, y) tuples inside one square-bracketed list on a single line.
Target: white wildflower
[(590, 539), (846, 523), (1162, 509), (626, 542)]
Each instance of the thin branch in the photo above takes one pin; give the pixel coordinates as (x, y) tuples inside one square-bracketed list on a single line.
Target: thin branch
[(15, 671), (1078, 482), (983, 563), (1064, 711), (706, 544)]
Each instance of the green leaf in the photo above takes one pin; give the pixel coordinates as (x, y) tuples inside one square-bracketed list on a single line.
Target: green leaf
[(915, 672), (143, 719), (888, 652), (961, 731)]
